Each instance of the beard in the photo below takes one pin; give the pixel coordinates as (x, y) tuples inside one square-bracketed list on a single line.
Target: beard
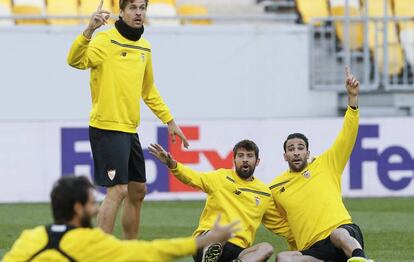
[(298, 168), (244, 174), (86, 220)]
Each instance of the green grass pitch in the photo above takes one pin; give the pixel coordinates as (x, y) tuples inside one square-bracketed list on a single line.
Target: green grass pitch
[(387, 224)]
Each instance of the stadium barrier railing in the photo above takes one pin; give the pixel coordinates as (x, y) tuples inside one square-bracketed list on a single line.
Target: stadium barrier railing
[(383, 62), (265, 18)]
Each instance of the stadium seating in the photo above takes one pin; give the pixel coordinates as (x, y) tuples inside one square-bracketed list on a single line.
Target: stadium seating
[(194, 10), (28, 7), (5, 9), (406, 8), (87, 7), (395, 54), (356, 29), (115, 7), (312, 9), (166, 2), (62, 7), (162, 8)]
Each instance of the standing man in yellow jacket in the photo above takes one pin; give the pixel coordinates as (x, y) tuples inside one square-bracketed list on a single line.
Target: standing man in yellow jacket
[(309, 194), (72, 238), (121, 74), (237, 195)]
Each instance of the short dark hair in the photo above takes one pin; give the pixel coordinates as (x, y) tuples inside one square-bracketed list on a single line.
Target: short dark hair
[(67, 191), (248, 145), (296, 135), (123, 3)]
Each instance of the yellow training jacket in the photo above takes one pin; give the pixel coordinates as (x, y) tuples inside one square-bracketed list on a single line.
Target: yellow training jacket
[(87, 244), (233, 198), (121, 74), (311, 200)]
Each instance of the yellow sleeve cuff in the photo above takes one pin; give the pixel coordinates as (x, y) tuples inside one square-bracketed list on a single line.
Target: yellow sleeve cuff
[(192, 245), (352, 109), (83, 40), (177, 168), (167, 118)]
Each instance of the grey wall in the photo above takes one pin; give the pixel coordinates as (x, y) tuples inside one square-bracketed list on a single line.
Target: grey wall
[(202, 73)]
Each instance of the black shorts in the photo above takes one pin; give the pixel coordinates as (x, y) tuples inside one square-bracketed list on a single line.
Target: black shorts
[(230, 252), (117, 157), (326, 251)]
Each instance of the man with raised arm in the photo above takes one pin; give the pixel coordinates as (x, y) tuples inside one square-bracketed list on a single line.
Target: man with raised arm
[(120, 60), (237, 195), (309, 195)]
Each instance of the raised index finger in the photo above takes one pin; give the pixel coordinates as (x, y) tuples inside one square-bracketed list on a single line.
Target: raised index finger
[(100, 5), (347, 71)]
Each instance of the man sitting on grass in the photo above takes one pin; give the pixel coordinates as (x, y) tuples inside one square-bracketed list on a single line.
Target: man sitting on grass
[(236, 194)]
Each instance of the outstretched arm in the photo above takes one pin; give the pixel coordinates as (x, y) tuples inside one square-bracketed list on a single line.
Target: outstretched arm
[(219, 234), (161, 154), (82, 54), (338, 155), (104, 247), (200, 180)]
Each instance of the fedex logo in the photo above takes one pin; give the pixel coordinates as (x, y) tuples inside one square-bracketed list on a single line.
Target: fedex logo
[(73, 158), (383, 159)]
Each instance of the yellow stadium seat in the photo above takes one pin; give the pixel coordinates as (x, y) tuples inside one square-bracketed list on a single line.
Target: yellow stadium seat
[(7, 3), (87, 7), (356, 29), (194, 10), (28, 10), (312, 9), (38, 3), (5, 9), (166, 2), (161, 10), (115, 4), (395, 53), (406, 8), (62, 7), (29, 7), (115, 7)]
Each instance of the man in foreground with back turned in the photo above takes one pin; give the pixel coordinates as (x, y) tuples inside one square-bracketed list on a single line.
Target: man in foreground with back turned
[(72, 237)]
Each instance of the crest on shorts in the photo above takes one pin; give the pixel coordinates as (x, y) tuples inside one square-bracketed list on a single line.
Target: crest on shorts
[(306, 174), (111, 174), (257, 199)]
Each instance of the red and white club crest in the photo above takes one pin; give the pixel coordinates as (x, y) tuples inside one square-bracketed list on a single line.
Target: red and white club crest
[(111, 174)]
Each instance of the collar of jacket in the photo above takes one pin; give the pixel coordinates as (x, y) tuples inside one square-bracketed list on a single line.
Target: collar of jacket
[(133, 34)]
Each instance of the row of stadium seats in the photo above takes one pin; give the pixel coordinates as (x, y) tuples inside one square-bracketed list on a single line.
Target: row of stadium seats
[(397, 8), (157, 8)]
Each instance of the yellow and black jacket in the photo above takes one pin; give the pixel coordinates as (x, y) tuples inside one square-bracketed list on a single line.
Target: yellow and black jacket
[(311, 200), (63, 243), (121, 74), (235, 199)]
